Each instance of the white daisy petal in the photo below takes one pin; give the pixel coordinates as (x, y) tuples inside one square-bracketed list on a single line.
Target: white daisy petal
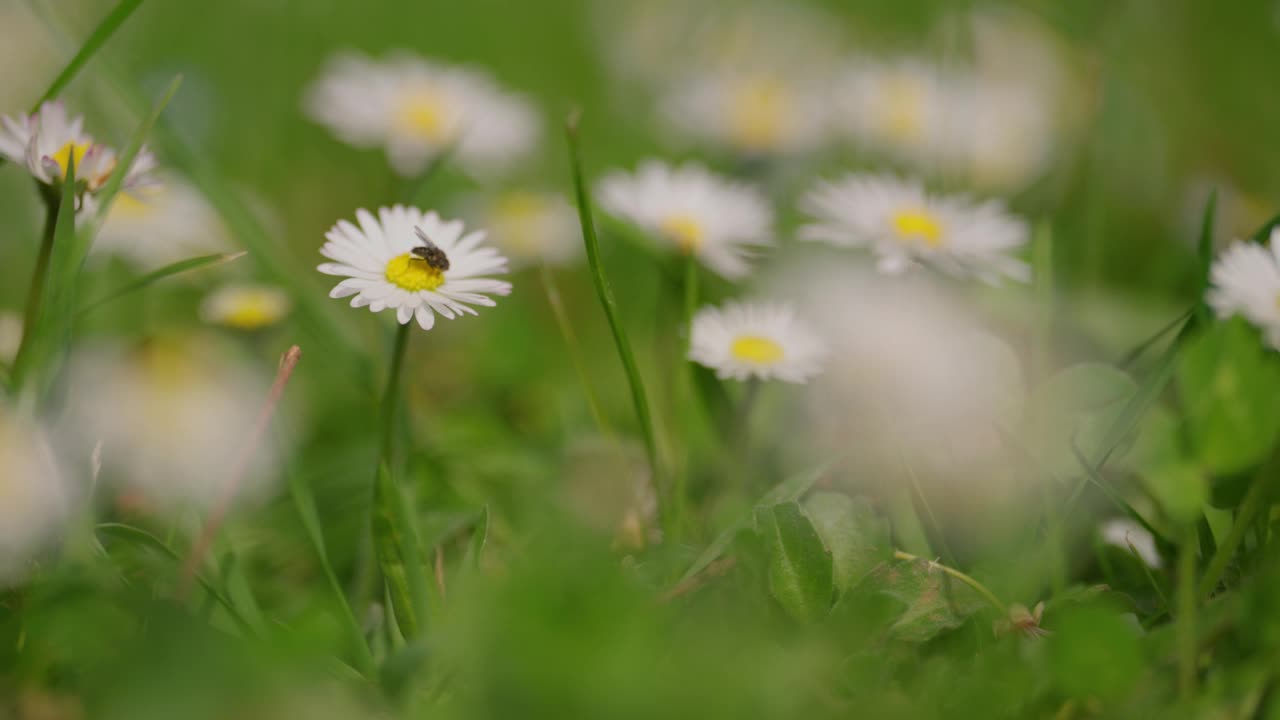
[(1245, 281), (766, 341)]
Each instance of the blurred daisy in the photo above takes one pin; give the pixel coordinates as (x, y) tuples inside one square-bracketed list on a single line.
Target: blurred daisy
[(1246, 281), (10, 335), (532, 227), (33, 501), (752, 113), (898, 108), (693, 210), (419, 265), (1000, 134), (172, 418), (416, 110), (1131, 537), (904, 226), (161, 224), (47, 141), (245, 307), (764, 341)]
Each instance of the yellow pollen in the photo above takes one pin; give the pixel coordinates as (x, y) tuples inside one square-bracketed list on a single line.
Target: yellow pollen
[(64, 154), (756, 349), (412, 273), (423, 115), (684, 230), (918, 225), (756, 115)]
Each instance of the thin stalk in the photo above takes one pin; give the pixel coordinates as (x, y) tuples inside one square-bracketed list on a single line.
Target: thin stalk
[(981, 589), (1185, 622), (35, 292), (574, 348), (1253, 502), (605, 292)]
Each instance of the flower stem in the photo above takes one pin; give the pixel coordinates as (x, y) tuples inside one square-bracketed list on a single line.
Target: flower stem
[(35, 293), (981, 589), (1253, 501), (575, 350)]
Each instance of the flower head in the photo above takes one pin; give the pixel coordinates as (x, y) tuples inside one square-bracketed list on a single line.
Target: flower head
[(1131, 537), (1246, 281), (765, 341), (904, 225), (161, 224), (47, 142), (691, 209), (245, 307), (415, 263), (533, 227), (416, 110), (751, 113), (897, 108), (33, 500)]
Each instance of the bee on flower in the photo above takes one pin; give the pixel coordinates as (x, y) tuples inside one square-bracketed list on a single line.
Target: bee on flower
[(755, 341), (417, 264), (245, 307), (905, 226), (47, 142), (416, 110), (1245, 281), (718, 221)]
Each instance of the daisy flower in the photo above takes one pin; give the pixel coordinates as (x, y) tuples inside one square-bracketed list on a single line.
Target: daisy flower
[(415, 110), (1245, 281), (533, 227), (245, 307), (1131, 537), (904, 226), (161, 224), (897, 108), (765, 341), (419, 265), (33, 501), (47, 141), (693, 210), (751, 113)]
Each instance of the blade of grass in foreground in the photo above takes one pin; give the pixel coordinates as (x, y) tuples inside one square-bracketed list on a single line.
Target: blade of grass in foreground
[(168, 271), (91, 45), (638, 396)]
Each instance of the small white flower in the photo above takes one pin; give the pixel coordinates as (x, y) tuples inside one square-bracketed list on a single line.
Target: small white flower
[(47, 141), (416, 109), (897, 108), (749, 112), (245, 307), (416, 264), (766, 341), (1246, 281), (161, 224), (1129, 536), (33, 500), (533, 227), (693, 210), (904, 226)]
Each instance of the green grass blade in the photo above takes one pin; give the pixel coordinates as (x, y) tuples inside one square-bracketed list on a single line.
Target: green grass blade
[(168, 271), (605, 293), (91, 46), (1204, 253), (479, 536)]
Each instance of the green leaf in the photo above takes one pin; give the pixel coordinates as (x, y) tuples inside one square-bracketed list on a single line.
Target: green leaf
[(933, 601), (1094, 651), (856, 537), (800, 568), (91, 45), (1180, 488), (1077, 405), (168, 271), (400, 555), (1228, 383)]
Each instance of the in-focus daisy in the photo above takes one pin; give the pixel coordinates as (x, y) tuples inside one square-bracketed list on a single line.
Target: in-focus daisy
[(161, 224), (416, 109), (1129, 536), (419, 265), (693, 210), (245, 307), (1246, 281), (33, 500), (904, 225), (533, 227), (765, 341), (47, 141), (751, 113)]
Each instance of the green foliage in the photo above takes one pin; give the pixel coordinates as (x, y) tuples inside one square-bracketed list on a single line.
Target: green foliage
[(932, 602), (1078, 405), (800, 570), (1095, 652), (850, 529)]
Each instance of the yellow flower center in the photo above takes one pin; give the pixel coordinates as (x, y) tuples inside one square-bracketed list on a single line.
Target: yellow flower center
[(685, 231), (918, 225), (756, 115), (903, 110), (128, 205), (64, 155), (252, 310), (424, 115), (756, 349), (412, 273)]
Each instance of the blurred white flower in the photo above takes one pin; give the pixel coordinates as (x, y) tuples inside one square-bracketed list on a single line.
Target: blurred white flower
[(532, 228), (419, 265), (904, 225), (172, 419), (694, 211), (765, 341), (750, 112), (416, 110), (34, 502), (898, 108), (1131, 537), (161, 224), (999, 135), (47, 141), (10, 335), (245, 307), (1246, 281)]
